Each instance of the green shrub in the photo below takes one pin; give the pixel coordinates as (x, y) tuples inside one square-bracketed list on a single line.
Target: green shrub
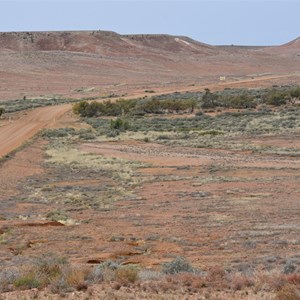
[(178, 265), (132, 107), (275, 98), (87, 136), (29, 280), (57, 215), (44, 270), (209, 100), (240, 101), (163, 137), (211, 132), (2, 111), (112, 133), (80, 108), (295, 93), (56, 133), (120, 124)]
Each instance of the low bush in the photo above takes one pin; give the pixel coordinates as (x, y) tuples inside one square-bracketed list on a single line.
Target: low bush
[(7, 279), (49, 265), (109, 265), (178, 275), (87, 135), (295, 92), (179, 264), (240, 281), (288, 292), (209, 100), (28, 280), (126, 275), (76, 277), (120, 124), (57, 215), (275, 98), (57, 133), (132, 107), (241, 101), (41, 272)]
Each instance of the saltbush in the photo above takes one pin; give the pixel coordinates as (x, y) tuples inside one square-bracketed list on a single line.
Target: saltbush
[(178, 265)]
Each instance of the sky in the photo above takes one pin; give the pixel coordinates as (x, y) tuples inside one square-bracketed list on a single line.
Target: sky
[(223, 22)]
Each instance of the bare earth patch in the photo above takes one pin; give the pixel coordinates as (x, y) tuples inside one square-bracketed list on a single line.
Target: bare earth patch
[(230, 209), (24, 164)]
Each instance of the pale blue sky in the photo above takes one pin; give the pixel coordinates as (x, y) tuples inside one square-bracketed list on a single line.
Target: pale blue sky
[(251, 22)]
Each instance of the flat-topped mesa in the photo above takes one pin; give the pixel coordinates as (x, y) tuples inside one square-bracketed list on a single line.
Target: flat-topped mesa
[(94, 41), (113, 44), (170, 43), (77, 41), (100, 41)]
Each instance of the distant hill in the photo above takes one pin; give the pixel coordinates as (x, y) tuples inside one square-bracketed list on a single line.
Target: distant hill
[(294, 43), (37, 63), (100, 42)]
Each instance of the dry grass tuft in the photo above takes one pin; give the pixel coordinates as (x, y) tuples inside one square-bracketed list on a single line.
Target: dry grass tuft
[(239, 282), (288, 292), (126, 275)]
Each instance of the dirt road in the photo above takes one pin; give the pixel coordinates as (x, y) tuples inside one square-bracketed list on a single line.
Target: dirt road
[(16, 132)]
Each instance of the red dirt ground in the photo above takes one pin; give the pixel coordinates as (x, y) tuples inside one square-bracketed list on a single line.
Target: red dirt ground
[(176, 212), (234, 209)]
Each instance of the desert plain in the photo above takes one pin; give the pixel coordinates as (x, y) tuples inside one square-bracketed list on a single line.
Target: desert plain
[(200, 201)]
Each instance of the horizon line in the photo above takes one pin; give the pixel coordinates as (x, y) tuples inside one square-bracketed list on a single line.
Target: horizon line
[(150, 34)]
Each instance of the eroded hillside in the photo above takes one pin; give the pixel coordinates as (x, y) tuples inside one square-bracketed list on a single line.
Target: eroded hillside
[(94, 62)]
